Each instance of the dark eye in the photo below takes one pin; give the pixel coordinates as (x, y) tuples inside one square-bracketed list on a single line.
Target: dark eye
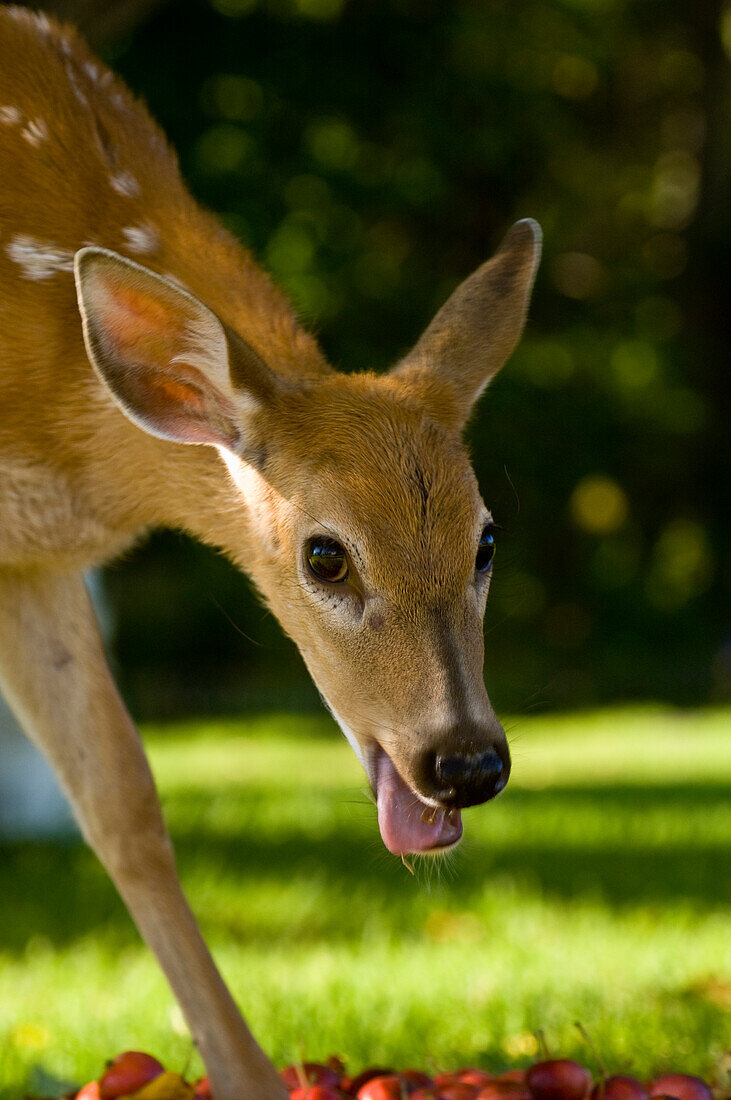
[(327, 559), (485, 549)]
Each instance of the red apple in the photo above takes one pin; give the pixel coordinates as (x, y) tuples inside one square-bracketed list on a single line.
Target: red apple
[(459, 1090), (510, 1091), (354, 1084), (516, 1075), (310, 1073), (391, 1087), (619, 1087), (202, 1089), (471, 1076), (681, 1085), (89, 1091), (415, 1079), (558, 1079), (127, 1073), (503, 1090), (426, 1092), (315, 1092)]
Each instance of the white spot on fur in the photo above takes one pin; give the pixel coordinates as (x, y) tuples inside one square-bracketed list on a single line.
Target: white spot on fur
[(38, 20), (140, 238), (10, 116), (124, 183), (35, 132), (42, 22), (38, 259), (92, 71), (74, 83)]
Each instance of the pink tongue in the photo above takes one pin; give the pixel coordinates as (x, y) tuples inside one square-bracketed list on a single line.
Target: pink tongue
[(407, 824)]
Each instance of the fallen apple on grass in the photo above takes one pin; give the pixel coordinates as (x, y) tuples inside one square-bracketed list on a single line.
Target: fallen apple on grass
[(315, 1092), (620, 1086), (682, 1085), (558, 1079), (134, 1075), (127, 1074)]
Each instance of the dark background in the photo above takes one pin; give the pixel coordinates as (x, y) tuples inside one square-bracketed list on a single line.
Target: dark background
[(372, 154)]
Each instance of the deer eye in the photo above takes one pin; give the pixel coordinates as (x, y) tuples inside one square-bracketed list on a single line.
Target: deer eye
[(485, 549), (326, 559)]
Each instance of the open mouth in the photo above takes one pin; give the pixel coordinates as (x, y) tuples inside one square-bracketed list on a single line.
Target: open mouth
[(408, 824)]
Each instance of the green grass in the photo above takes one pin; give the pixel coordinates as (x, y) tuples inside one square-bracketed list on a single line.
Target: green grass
[(596, 888)]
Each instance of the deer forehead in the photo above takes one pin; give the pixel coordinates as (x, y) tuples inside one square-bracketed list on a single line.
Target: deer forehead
[(406, 511)]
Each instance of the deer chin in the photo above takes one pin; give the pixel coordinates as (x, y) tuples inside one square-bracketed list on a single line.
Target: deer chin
[(408, 824)]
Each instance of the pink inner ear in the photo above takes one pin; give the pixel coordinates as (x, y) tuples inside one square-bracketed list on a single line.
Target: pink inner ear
[(179, 404), (134, 323), (139, 330), (178, 393)]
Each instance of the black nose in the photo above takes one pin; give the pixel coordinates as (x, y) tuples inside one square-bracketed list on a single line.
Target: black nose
[(470, 779)]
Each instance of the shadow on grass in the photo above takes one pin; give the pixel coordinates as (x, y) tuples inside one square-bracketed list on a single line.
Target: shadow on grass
[(60, 892)]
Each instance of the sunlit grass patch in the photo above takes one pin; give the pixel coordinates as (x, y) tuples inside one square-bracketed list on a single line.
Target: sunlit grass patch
[(593, 889)]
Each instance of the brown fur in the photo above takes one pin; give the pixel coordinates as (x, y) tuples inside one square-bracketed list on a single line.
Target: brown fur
[(294, 450)]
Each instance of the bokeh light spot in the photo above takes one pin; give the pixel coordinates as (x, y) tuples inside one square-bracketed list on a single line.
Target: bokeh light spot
[(599, 505), (222, 149), (546, 363), (290, 248), (635, 364), (682, 565), (523, 1044), (574, 77), (332, 142), (725, 29), (30, 1036), (233, 97), (578, 275), (674, 192)]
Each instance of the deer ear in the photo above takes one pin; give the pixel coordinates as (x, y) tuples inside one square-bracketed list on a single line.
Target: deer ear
[(165, 357), (475, 331)]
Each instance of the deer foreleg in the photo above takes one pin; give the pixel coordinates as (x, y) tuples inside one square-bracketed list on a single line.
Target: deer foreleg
[(55, 676)]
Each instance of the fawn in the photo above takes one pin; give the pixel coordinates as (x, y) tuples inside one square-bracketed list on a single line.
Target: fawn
[(183, 393)]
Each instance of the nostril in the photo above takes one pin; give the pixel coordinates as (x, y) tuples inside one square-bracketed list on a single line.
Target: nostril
[(450, 770), (472, 778), (455, 770)]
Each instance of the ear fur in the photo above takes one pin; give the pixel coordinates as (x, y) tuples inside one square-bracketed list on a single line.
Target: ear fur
[(475, 331), (163, 355)]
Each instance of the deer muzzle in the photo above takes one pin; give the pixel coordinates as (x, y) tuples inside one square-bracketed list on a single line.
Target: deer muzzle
[(423, 815)]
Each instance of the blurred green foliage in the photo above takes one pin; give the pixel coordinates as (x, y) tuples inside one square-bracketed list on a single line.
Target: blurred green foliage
[(371, 153)]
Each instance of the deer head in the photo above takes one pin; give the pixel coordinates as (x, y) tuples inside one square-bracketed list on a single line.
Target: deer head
[(359, 516)]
